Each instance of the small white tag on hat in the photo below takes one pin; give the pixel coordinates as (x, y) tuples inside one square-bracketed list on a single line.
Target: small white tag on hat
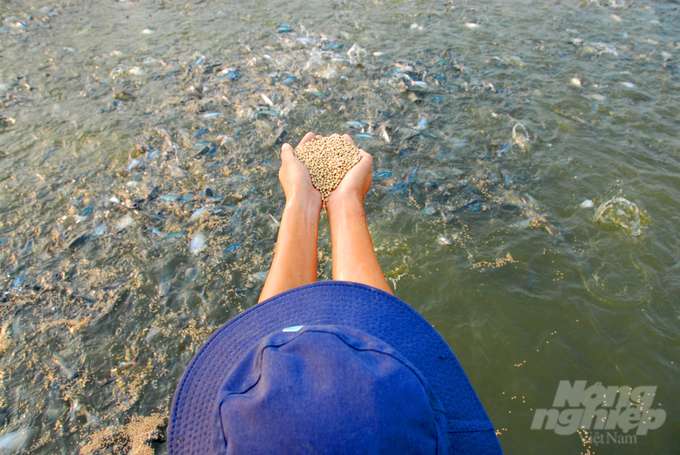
[(295, 328)]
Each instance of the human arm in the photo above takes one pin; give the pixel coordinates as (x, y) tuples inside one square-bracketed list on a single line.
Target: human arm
[(354, 258), (295, 255)]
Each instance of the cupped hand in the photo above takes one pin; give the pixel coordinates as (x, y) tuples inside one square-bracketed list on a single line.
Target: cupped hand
[(295, 179), (355, 184)]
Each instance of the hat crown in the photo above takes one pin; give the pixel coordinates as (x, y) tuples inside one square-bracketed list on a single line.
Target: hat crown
[(329, 389)]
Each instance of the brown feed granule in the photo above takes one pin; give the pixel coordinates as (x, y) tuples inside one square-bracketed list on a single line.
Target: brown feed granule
[(327, 159)]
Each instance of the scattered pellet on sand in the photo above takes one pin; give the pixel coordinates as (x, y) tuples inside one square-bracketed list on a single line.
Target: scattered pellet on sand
[(133, 438), (328, 159)]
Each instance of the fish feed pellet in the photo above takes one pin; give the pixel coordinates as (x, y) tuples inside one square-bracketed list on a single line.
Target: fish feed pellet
[(327, 159)]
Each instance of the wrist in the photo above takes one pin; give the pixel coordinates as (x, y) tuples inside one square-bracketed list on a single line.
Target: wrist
[(306, 204), (344, 207)]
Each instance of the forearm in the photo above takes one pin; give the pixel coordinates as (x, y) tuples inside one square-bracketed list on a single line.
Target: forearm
[(353, 256), (295, 255)]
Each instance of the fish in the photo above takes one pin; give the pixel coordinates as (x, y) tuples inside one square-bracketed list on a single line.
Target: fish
[(206, 151), (256, 278), (99, 230), (68, 371), (133, 164), (270, 112), (284, 28), (383, 133), (231, 75), (364, 136), (453, 208), (122, 366), (164, 288), (189, 274), (87, 210), (435, 175), (417, 87), (525, 223), (198, 61), (331, 47), (173, 235), (403, 151), (422, 124), (288, 80), (232, 247), (520, 136), (442, 240), (279, 139), (356, 124), (176, 171), (412, 175), (167, 139), (200, 133), (197, 243), (200, 212), (211, 114), (153, 332), (267, 100), (75, 410), (124, 96), (505, 148), (153, 194), (79, 241), (398, 188), (125, 222), (383, 175), (19, 281)]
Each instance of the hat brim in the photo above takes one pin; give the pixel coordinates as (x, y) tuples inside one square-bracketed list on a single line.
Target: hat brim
[(335, 303)]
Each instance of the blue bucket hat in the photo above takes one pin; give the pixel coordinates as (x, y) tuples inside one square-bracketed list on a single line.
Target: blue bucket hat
[(331, 368)]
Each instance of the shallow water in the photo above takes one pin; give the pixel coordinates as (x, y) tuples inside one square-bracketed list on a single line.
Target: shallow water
[(538, 232)]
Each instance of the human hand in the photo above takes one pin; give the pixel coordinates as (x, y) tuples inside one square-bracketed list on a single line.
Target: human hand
[(295, 179), (355, 184)]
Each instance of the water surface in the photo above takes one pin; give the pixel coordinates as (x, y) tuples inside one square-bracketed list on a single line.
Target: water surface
[(525, 197)]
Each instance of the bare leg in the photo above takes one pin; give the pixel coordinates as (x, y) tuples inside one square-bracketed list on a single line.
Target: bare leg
[(353, 256), (295, 255)]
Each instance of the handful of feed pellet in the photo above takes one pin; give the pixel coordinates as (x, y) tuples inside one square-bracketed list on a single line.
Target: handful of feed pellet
[(327, 159)]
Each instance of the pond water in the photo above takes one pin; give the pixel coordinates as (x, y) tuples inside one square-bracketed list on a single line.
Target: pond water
[(525, 197)]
